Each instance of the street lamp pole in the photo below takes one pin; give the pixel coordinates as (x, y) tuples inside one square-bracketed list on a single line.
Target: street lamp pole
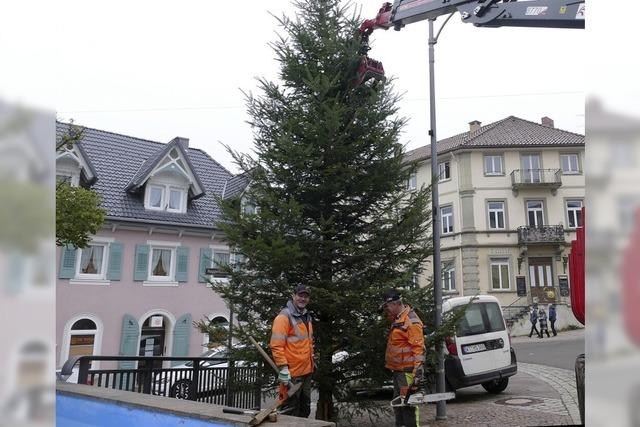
[(441, 406)]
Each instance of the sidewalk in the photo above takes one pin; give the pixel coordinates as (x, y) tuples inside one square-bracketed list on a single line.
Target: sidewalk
[(537, 396), (572, 334)]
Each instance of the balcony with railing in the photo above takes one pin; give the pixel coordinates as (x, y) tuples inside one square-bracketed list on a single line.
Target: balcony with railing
[(536, 178), (545, 234)]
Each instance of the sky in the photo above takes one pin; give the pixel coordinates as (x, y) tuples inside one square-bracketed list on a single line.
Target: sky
[(157, 70)]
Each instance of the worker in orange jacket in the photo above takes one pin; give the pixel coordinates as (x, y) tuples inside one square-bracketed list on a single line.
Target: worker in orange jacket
[(292, 348), (405, 352)]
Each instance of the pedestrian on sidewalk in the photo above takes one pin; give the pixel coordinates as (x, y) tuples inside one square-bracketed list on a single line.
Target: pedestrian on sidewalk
[(533, 318), (292, 348), (405, 352), (552, 318), (542, 318)]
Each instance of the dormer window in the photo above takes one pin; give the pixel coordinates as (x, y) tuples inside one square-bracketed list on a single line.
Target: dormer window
[(166, 197)]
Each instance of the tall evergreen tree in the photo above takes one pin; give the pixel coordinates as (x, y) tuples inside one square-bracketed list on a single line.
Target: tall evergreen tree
[(329, 181)]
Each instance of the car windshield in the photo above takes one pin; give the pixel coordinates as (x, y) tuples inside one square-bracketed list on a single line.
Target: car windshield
[(480, 318), (216, 353)]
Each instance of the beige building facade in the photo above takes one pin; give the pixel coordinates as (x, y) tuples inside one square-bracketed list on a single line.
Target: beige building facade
[(510, 199)]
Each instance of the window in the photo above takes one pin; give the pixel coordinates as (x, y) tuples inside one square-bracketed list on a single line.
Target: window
[(162, 264), (91, 261), (493, 165), (496, 216), (412, 182), (535, 213), (480, 318), (569, 163), (156, 196), (574, 213), (531, 171), (175, 200), (82, 338), (446, 216), (449, 276), (444, 171), (163, 197), (500, 274)]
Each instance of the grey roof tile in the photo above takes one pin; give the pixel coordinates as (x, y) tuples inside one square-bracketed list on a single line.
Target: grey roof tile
[(117, 159), (509, 132)]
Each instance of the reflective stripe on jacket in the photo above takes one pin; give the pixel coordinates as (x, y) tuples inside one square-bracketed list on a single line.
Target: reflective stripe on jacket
[(405, 345), (292, 340)]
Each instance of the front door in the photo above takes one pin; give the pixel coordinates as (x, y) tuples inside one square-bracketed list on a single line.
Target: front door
[(530, 168), (541, 280)]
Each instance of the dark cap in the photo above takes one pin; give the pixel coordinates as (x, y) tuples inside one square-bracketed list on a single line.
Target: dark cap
[(389, 296), (301, 289)]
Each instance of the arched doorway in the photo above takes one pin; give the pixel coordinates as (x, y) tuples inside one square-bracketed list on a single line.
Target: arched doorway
[(154, 337), (216, 333)]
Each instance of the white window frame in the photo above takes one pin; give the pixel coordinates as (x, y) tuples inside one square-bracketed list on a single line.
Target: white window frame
[(94, 279), (493, 172), (449, 276), (412, 182), (541, 209), (449, 217), (169, 280), (165, 197), (147, 201), (491, 210), (442, 169), (573, 212), (183, 194), (500, 262), (570, 171), (219, 248), (103, 267)]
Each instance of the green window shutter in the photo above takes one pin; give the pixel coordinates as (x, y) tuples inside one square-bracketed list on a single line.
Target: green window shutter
[(182, 263), (140, 272), (67, 262), (206, 255), (114, 269), (181, 334), (129, 343)]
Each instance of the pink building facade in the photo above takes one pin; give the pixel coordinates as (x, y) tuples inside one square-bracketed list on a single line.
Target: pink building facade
[(140, 285)]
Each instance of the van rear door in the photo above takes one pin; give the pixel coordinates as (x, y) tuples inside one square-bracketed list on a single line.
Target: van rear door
[(482, 338)]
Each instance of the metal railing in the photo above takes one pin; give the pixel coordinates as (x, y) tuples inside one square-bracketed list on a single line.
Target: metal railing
[(528, 235), (203, 381), (536, 177)]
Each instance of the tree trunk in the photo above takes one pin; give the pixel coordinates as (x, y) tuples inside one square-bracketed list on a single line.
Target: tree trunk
[(324, 410)]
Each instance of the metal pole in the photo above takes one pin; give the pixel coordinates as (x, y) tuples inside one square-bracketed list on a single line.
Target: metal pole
[(441, 407), (230, 373)]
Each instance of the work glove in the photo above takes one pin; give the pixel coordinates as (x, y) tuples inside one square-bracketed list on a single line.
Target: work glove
[(284, 376)]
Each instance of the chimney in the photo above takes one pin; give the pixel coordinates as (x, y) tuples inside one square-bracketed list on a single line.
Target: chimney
[(474, 126), (546, 121), (182, 141)]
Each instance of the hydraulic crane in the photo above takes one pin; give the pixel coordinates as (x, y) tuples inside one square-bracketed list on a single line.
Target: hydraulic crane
[(481, 13)]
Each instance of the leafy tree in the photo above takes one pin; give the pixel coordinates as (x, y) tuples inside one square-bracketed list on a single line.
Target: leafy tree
[(78, 211), (329, 181)]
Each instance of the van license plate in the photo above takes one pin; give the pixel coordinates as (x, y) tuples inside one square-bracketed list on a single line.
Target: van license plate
[(474, 348)]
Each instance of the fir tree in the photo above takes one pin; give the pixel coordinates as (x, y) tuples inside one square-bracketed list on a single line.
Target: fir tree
[(329, 180)]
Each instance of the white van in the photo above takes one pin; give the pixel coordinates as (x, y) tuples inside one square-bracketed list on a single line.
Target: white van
[(481, 351)]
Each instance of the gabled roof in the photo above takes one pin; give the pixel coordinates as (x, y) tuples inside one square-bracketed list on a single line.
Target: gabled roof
[(118, 160), (511, 132), (147, 168), (78, 154), (236, 186)]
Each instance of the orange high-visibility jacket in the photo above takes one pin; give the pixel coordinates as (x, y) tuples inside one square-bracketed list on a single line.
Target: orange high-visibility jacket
[(292, 341), (405, 345)]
